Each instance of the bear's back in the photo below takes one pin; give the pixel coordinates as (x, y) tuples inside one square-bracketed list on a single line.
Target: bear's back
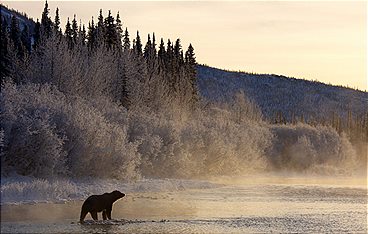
[(98, 203)]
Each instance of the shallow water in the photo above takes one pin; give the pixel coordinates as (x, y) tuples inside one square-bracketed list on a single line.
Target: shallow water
[(237, 206)]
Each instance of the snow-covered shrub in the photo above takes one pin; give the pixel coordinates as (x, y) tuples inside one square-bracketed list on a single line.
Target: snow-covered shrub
[(203, 144), (159, 143), (302, 147), (46, 133), (32, 143), (220, 146)]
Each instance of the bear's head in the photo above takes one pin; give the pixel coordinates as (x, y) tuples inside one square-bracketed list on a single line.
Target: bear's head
[(117, 194)]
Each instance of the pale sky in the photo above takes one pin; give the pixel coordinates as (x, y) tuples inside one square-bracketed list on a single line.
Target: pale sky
[(315, 40)]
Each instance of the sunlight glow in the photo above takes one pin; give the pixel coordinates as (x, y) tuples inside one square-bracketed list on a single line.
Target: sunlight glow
[(324, 41)]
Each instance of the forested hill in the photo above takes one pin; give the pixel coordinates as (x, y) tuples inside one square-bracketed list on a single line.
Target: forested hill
[(22, 18), (279, 95)]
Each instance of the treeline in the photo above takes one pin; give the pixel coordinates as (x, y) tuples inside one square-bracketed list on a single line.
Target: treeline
[(99, 60)]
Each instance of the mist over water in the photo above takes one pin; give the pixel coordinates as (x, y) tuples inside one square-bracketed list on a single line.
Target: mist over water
[(227, 204)]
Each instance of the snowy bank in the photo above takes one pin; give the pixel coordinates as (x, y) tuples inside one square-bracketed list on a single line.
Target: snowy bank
[(20, 190)]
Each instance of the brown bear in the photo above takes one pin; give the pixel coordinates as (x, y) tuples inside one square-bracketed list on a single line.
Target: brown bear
[(98, 203)]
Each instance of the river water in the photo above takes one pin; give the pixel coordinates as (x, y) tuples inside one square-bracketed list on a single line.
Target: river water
[(234, 206)]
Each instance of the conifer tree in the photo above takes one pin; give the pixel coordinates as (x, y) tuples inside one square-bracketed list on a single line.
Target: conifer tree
[(46, 23), (25, 38), (57, 21), (126, 41), (82, 34), (4, 59), (147, 48), (100, 29), (110, 35), (37, 34), (138, 45), (169, 57), (161, 51), (154, 51), (74, 30), (119, 29), (177, 49), (69, 34), (16, 37), (191, 71), (14, 32), (91, 36)]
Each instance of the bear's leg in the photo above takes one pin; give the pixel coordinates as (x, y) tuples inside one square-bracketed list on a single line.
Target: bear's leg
[(104, 214), (82, 215), (108, 213), (94, 215)]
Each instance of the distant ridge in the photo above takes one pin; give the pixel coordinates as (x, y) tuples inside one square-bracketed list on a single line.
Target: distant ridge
[(280, 94)]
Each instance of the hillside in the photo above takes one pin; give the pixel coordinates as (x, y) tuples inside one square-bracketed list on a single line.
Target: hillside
[(290, 96), (23, 19)]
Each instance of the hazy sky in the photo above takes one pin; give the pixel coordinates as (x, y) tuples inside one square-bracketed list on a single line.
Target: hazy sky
[(315, 40)]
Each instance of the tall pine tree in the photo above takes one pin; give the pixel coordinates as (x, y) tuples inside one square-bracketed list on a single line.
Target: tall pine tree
[(110, 36), (138, 45), (37, 34), (119, 29), (74, 30), (126, 40), (69, 34), (4, 50), (191, 71), (57, 22), (46, 23), (91, 35), (100, 29)]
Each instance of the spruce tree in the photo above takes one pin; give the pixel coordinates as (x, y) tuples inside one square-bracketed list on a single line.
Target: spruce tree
[(16, 37), (69, 34), (82, 34), (110, 35), (178, 54), (74, 30), (148, 48), (57, 21), (14, 32), (161, 51), (25, 38), (46, 23), (138, 44), (37, 34), (100, 29), (169, 57), (119, 29), (154, 51), (191, 71), (4, 50), (126, 41), (91, 35)]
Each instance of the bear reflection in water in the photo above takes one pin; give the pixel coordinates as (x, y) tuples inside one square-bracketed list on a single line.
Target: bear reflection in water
[(100, 203)]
